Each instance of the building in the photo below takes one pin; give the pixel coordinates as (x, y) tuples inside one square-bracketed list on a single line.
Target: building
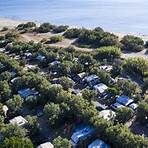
[(101, 88), (81, 135), (99, 106), (116, 106), (133, 106), (107, 114), (98, 144), (124, 100), (40, 58), (19, 120), (15, 79), (55, 63), (106, 68), (92, 80), (24, 93), (46, 145)]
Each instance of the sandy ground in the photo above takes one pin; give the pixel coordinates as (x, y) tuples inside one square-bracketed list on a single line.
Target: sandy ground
[(66, 42), (4, 22)]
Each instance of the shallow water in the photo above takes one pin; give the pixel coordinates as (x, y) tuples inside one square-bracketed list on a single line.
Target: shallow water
[(127, 16)]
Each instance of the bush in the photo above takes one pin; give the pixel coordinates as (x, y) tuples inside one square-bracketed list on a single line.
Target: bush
[(72, 33), (60, 29), (132, 43), (136, 66), (56, 38), (26, 26), (45, 27), (109, 53)]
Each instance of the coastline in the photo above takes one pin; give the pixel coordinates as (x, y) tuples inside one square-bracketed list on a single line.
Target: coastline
[(11, 23)]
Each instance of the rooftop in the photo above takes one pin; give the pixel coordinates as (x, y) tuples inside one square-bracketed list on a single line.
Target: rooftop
[(124, 100), (98, 144), (19, 120), (106, 68), (91, 78), (107, 114), (101, 88), (24, 93), (80, 134), (46, 145)]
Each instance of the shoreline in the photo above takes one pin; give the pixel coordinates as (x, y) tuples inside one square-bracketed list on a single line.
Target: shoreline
[(11, 23)]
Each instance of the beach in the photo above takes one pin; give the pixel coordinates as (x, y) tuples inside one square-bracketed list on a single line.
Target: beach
[(11, 23)]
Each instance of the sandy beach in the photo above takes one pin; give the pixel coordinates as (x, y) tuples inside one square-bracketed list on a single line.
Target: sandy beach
[(10, 23), (4, 22)]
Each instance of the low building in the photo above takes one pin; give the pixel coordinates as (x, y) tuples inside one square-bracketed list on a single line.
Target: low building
[(24, 93), (55, 63), (14, 80), (40, 58), (133, 106), (98, 144), (106, 68), (92, 80), (46, 145), (81, 135), (101, 88), (19, 120), (116, 106), (99, 106), (124, 100), (107, 114)]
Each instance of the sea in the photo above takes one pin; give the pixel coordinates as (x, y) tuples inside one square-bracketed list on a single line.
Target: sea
[(123, 16)]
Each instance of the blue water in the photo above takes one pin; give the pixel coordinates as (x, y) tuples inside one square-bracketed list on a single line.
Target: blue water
[(128, 16)]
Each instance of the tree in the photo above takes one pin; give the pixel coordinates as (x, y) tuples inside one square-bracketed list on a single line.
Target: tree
[(145, 85), (13, 130), (17, 142), (5, 90), (15, 104), (132, 43), (142, 112), (32, 124), (89, 94), (124, 114), (5, 76), (60, 142), (128, 87), (52, 112), (66, 83)]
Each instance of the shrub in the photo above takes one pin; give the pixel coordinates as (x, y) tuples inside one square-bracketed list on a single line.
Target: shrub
[(72, 33), (60, 29), (136, 66), (109, 53), (132, 43), (56, 38), (45, 27)]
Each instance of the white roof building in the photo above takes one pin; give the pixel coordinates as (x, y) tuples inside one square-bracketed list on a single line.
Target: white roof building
[(106, 68), (107, 114), (101, 88), (19, 120), (46, 145)]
